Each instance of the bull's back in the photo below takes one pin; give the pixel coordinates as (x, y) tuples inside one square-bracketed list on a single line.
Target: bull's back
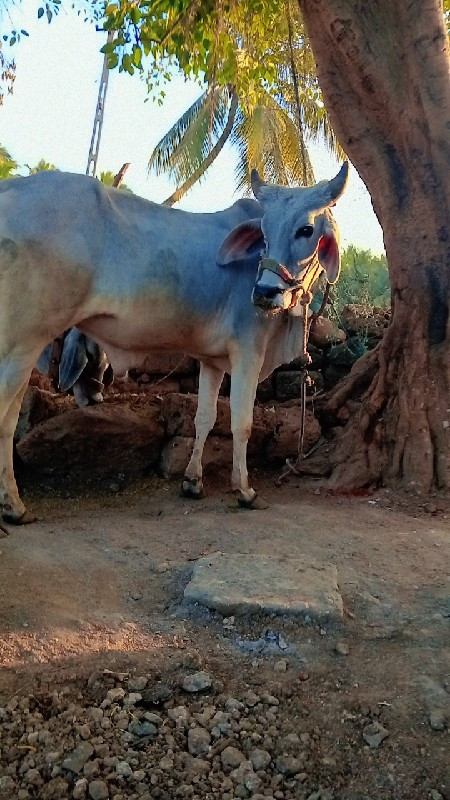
[(72, 249)]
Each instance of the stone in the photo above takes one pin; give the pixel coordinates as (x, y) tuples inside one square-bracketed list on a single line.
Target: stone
[(197, 682), (437, 719), (98, 790), (7, 784), (315, 384), (342, 648), (288, 765), (269, 699), (324, 331), (242, 772), (78, 757), (265, 390), (139, 683), (179, 413), (123, 768), (346, 353), (288, 383), (245, 584), (332, 375), (143, 728), (115, 695), (287, 423), (199, 741), (180, 715), (175, 455), (157, 694), (80, 789), (198, 766), (252, 782), (260, 759), (155, 719), (37, 406), (374, 734), (33, 777), (359, 319), (232, 757), (280, 665), (106, 437), (251, 699), (132, 698), (232, 704)]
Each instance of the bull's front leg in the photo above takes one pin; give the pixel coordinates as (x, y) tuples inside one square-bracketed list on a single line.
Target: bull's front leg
[(244, 381), (210, 380)]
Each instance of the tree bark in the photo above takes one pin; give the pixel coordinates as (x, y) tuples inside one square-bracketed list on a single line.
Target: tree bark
[(383, 67)]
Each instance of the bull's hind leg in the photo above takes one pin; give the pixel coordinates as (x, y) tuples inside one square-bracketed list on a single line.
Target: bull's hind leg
[(208, 391), (13, 383)]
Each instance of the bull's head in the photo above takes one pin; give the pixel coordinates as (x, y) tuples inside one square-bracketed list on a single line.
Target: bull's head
[(297, 239)]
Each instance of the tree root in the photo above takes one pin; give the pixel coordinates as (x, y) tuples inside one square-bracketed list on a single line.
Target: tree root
[(382, 417)]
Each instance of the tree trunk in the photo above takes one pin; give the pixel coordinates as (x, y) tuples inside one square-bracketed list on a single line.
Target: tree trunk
[(383, 67)]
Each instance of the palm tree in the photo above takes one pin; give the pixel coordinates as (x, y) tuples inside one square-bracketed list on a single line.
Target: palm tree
[(41, 166), (271, 135), (8, 166)]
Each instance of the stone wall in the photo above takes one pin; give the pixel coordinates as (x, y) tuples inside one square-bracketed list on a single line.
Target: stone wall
[(147, 420), (333, 352)]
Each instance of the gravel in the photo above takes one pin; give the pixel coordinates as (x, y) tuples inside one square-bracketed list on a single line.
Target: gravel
[(97, 739)]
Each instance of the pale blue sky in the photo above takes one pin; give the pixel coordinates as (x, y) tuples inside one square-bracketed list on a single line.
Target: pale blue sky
[(51, 114)]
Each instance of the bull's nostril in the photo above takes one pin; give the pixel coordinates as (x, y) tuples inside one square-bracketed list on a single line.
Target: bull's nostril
[(268, 292)]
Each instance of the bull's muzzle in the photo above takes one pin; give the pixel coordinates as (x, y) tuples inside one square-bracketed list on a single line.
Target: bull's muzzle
[(276, 288)]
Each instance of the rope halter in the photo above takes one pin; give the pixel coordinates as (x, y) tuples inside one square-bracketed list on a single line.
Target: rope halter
[(301, 286)]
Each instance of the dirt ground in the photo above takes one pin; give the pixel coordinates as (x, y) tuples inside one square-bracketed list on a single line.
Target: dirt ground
[(97, 583)]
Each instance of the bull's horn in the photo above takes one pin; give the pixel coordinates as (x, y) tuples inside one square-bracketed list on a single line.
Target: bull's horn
[(256, 181), (337, 184)]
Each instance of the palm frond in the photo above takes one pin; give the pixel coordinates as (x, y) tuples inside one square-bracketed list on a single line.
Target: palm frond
[(7, 164), (270, 141), (182, 150)]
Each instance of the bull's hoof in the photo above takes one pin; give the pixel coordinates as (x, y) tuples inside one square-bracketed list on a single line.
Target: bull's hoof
[(25, 519), (192, 489), (257, 504)]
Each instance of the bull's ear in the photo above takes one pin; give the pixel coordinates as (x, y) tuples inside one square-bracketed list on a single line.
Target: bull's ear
[(244, 243), (73, 359), (328, 252)]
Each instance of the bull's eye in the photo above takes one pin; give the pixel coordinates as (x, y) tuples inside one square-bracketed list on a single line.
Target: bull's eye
[(306, 231)]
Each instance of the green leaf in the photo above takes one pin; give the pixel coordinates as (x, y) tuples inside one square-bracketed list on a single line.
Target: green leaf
[(135, 15), (137, 56), (109, 47), (112, 60), (41, 12)]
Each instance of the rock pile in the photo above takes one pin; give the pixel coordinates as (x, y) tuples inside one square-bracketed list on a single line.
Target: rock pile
[(110, 741)]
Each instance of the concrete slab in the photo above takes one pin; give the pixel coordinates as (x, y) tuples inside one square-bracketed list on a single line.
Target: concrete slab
[(248, 584)]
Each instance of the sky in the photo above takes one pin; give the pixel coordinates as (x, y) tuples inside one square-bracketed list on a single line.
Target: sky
[(51, 114)]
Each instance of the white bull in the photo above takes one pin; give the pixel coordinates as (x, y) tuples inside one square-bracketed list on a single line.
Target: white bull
[(139, 277)]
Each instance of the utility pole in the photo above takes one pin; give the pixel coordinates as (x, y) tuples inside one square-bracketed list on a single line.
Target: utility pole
[(99, 111)]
